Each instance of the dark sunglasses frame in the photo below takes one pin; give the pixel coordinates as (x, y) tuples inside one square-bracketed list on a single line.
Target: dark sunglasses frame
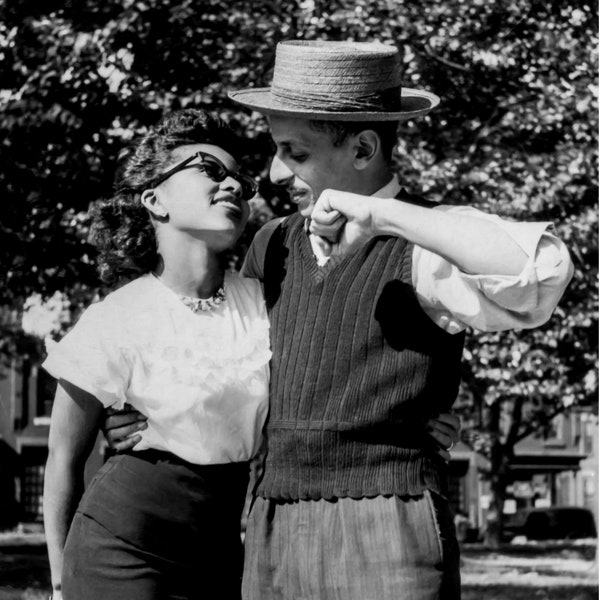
[(248, 184)]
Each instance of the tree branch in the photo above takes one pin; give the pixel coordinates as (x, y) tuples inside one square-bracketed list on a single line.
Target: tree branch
[(444, 61), (532, 428), (484, 130)]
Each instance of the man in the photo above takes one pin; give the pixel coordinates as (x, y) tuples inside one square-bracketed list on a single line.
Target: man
[(368, 294), (369, 291)]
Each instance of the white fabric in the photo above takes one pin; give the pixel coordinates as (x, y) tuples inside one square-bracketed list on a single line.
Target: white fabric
[(455, 300), (200, 378)]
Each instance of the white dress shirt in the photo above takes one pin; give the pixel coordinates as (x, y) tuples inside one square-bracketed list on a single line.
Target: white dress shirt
[(455, 300)]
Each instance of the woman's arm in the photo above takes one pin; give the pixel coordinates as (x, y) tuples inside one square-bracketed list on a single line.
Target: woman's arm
[(73, 430), (445, 431)]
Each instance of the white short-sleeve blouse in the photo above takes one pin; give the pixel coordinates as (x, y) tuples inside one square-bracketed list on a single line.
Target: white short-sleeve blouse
[(201, 378)]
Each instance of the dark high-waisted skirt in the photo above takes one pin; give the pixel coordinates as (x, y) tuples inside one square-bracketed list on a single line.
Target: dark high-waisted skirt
[(151, 526)]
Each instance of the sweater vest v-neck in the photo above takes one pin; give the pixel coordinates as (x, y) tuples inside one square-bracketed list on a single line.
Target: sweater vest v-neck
[(357, 370)]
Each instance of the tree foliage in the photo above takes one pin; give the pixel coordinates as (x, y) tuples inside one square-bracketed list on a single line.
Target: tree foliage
[(515, 134)]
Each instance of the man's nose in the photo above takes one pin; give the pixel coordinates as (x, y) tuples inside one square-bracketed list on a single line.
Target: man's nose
[(279, 173)]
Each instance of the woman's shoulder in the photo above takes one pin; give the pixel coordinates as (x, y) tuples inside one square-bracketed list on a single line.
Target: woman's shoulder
[(122, 302)]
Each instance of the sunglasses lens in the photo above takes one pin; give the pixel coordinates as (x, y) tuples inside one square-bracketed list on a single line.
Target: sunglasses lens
[(248, 184), (214, 168), (217, 171)]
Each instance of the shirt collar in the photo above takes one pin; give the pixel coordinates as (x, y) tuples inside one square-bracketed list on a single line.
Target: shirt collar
[(390, 190)]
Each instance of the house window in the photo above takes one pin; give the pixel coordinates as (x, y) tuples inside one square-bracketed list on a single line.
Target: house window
[(32, 483), (559, 428), (588, 437)]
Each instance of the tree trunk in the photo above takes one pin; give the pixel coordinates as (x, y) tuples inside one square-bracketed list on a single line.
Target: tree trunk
[(495, 515), (499, 475)]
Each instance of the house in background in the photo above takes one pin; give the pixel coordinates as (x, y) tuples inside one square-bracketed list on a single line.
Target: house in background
[(26, 394), (559, 470)]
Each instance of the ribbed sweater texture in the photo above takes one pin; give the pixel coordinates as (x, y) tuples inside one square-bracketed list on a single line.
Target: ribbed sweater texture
[(357, 370)]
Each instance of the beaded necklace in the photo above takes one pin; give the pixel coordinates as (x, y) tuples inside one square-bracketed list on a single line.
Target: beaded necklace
[(199, 304)]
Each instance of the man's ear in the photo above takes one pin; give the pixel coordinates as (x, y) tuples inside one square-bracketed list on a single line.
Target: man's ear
[(366, 146), (151, 201)]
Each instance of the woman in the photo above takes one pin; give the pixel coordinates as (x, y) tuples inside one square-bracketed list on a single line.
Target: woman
[(184, 343), (187, 345)]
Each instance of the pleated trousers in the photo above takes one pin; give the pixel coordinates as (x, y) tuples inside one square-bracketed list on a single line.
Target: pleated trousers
[(400, 548)]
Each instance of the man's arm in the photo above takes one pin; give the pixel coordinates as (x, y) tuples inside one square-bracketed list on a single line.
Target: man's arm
[(506, 293), (121, 427), (473, 245), (254, 263)]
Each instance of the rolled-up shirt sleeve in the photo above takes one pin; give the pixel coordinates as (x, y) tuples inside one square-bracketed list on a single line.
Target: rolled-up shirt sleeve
[(455, 300)]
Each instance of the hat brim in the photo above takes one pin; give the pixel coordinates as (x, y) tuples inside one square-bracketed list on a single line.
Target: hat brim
[(415, 103)]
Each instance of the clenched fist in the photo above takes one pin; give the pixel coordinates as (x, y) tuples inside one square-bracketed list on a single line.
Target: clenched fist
[(344, 221)]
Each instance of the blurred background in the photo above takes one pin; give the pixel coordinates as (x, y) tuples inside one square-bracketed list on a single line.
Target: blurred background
[(515, 134)]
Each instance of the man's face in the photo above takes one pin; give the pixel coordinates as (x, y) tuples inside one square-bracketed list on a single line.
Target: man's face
[(307, 162)]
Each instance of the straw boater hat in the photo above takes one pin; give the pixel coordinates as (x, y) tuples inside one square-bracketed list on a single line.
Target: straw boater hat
[(337, 81)]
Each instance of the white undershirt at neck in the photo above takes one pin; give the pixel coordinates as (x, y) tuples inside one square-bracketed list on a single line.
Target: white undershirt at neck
[(389, 190)]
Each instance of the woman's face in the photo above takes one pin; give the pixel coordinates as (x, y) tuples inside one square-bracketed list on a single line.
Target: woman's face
[(196, 202)]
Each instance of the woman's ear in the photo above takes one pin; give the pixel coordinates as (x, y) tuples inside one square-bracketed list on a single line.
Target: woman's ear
[(366, 146), (151, 201)]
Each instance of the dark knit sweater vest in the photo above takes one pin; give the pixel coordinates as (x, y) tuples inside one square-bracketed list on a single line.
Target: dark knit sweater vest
[(357, 369)]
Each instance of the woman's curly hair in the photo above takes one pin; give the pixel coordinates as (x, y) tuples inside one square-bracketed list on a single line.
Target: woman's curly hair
[(121, 227)]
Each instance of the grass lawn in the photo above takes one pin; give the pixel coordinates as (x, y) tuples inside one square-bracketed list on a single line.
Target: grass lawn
[(24, 573), (469, 593), (502, 592), (28, 594), (529, 572)]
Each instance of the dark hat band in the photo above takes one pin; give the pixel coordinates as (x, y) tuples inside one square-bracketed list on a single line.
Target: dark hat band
[(381, 100)]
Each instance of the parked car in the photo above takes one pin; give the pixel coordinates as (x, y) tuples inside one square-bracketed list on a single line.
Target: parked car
[(553, 523)]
